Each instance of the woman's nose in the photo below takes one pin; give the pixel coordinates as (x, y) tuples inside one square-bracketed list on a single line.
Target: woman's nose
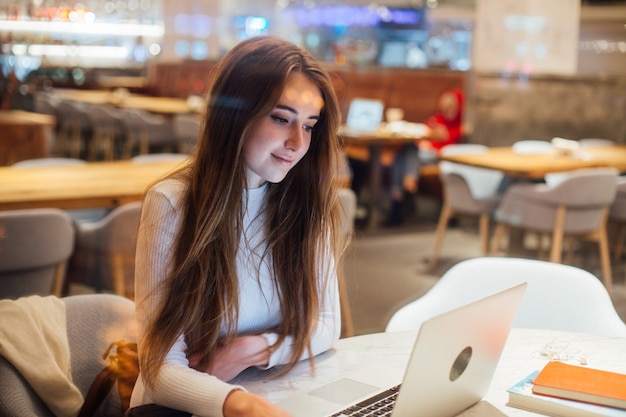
[(296, 139)]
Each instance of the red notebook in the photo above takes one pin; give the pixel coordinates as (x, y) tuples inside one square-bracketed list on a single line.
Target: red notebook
[(575, 382)]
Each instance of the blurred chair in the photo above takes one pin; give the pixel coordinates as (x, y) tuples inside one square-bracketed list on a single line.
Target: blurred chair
[(593, 142), (347, 204), (558, 297), (104, 257), (46, 103), (147, 132), (576, 207), (186, 129), (77, 215), (617, 215), (74, 128), (48, 162), (35, 245), (107, 130), (94, 321), (466, 190), (532, 146)]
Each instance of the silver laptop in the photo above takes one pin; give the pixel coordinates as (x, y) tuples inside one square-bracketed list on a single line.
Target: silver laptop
[(365, 114), (451, 366)]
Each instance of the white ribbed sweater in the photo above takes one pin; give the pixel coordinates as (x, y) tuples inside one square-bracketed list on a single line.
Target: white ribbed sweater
[(178, 386)]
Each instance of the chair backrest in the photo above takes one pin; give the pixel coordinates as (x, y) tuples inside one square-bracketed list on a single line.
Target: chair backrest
[(105, 250), (618, 208), (94, 321), (482, 182), (35, 245), (558, 297), (116, 232), (593, 142), (48, 162), (584, 193)]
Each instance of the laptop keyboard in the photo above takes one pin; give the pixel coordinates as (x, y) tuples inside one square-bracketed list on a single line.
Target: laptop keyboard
[(378, 405)]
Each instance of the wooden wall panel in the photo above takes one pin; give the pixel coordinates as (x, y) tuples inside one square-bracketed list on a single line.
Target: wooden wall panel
[(415, 91)]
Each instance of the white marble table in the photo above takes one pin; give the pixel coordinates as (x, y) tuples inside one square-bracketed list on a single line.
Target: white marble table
[(521, 356)]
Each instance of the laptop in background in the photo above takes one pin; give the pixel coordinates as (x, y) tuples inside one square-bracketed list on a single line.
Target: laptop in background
[(450, 368), (365, 114)]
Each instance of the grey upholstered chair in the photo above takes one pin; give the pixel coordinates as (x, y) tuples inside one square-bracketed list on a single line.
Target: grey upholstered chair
[(577, 207), (147, 131), (104, 257), (35, 245), (186, 129), (558, 297), (74, 128), (94, 321), (107, 130), (467, 190)]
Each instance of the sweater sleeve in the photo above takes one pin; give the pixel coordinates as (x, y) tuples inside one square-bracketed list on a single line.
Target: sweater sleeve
[(328, 327), (177, 385)]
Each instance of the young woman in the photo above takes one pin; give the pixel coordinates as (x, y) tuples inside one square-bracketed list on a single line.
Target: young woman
[(238, 252)]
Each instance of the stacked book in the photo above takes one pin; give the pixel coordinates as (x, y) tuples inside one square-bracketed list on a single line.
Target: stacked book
[(564, 390)]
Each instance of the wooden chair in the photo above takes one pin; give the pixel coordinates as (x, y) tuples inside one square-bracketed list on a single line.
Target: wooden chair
[(577, 206)]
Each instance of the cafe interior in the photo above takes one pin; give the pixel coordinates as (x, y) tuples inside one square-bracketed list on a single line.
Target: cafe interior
[(99, 99)]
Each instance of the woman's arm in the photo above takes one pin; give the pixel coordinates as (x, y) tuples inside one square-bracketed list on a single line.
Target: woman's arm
[(177, 385), (328, 326)]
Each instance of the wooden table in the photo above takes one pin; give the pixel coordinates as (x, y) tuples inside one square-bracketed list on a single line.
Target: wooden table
[(95, 184), (537, 165), (25, 135), (376, 141), (159, 105)]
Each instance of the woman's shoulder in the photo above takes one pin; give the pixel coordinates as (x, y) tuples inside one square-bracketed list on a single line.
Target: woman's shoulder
[(170, 189)]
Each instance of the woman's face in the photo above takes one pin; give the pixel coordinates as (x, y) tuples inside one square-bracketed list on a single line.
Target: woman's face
[(283, 137)]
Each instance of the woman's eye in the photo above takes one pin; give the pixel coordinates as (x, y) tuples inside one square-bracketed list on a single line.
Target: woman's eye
[(279, 119), (308, 128)]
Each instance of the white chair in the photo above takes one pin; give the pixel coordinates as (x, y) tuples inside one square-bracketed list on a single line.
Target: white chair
[(466, 190), (104, 256), (94, 321), (558, 297), (532, 146), (35, 245), (595, 142), (577, 207)]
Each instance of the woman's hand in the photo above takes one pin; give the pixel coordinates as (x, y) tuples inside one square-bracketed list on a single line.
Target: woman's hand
[(230, 360), (241, 403)]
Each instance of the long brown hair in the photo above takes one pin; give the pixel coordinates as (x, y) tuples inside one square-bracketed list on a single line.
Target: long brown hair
[(200, 294)]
